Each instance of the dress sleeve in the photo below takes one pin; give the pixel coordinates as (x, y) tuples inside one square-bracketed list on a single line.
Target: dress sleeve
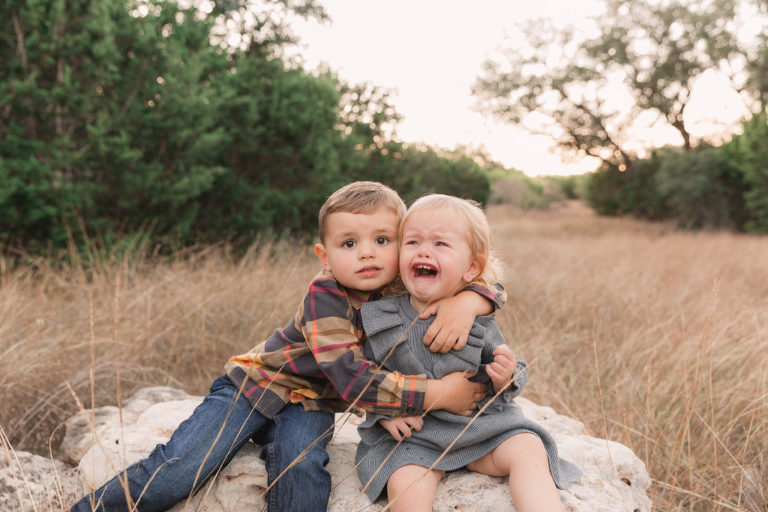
[(328, 326), (493, 338)]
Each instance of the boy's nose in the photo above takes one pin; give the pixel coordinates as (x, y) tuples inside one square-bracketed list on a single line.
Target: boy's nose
[(366, 250)]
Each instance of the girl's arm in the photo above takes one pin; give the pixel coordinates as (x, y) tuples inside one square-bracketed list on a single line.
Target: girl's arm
[(503, 368), (501, 364)]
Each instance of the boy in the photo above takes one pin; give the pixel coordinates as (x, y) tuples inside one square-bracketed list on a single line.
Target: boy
[(283, 393)]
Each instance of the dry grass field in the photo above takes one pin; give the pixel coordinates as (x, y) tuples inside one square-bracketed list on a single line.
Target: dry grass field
[(654, 337)]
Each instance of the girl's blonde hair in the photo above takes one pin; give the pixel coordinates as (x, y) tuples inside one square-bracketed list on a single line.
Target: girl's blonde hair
[(478, 237)]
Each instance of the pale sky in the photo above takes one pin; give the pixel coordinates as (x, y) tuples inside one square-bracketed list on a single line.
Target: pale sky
[(429, 52)]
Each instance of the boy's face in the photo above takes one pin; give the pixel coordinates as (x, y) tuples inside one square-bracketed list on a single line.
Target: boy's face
[(361, 249), (435, 259)]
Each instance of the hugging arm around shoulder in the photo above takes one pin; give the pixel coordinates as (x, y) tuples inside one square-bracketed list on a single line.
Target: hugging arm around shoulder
[(333, 330), (496, 294)]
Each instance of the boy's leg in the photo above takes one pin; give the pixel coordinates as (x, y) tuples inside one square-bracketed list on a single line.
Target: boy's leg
[(300, 438), (170, 472), (413, 488)]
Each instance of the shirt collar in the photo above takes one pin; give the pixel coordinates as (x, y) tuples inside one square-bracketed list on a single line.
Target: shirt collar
[(356, 297)]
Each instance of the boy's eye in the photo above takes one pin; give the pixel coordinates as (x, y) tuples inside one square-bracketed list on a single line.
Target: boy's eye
[(441, 244), (382, 240), (409, 242), (348, 244)]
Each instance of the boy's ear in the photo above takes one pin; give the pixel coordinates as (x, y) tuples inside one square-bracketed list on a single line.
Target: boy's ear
[(472, 271), (322, 255)]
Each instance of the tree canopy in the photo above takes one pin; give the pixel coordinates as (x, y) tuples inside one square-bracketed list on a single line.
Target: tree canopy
[(183, 124), (566, 84)]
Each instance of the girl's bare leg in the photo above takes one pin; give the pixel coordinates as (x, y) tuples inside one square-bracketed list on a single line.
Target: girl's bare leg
[(523, 458), (413, 488)]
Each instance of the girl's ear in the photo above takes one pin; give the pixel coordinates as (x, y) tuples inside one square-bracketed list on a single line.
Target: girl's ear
[(322, 255), (472, 271)]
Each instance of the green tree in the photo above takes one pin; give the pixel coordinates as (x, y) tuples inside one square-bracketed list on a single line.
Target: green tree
[(633, 192), (748, 152), (369, 122), (107, 118), (753, 81), (282, 153), (115, 121), (123, 117), (656, 49), (701, 189)]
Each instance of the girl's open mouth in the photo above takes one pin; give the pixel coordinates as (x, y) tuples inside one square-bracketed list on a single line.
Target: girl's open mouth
[(424, 270)]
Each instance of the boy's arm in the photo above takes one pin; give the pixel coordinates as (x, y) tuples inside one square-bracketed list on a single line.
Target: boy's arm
[(495, 296), (337, 351), (455, 315)]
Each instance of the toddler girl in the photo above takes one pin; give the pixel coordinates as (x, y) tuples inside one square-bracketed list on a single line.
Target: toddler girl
[(445, 245)]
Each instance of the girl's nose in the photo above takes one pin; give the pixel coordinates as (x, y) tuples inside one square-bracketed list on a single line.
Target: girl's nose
[(424, 251)]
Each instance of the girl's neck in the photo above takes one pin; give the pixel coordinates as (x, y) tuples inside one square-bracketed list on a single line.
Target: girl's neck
[(417, 304)]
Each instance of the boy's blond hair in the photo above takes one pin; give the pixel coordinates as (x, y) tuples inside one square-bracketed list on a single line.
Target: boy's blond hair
[(360, 197), (478, 237)]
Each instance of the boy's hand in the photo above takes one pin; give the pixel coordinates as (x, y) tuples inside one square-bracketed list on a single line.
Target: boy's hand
[(455, 393), (502, 368), (401, 427), (455, 316)]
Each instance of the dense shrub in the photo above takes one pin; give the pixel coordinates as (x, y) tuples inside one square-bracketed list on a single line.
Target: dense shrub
[(701, 189), (122, 121), (634, 191), (748, 153)]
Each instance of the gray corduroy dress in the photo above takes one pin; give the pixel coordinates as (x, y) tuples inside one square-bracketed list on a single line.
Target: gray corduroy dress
[(389, 322)]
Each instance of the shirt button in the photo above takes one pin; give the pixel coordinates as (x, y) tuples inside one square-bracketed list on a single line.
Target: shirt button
[(411, 410)]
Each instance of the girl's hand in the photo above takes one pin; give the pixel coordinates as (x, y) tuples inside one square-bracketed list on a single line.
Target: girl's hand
[(502, 368), (454, 318), (401, 427)]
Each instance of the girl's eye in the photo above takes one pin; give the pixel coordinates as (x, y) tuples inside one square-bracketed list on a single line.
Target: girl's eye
[(348, 244), (382, 240)]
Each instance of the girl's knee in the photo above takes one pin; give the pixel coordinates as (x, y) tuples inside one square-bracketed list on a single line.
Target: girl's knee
[(524, 449), (527, 442), (412, 488), (407, 475)]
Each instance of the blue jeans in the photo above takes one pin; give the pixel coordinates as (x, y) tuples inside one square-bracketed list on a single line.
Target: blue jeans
[(169, 473)]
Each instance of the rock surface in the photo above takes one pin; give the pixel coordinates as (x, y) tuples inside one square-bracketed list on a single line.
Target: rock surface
[(613, 479), (31, 482)]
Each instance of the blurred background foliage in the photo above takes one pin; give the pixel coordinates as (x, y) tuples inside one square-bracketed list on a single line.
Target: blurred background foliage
[(123, 120), (705, 187), (173, 124), (558, 81)]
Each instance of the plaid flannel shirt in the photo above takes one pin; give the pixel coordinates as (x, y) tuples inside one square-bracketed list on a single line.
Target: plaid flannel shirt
[(317, 360)]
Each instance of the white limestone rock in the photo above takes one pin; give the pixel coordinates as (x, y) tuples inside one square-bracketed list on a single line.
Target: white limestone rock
[(79, 432), (31, 482), (613, 479)]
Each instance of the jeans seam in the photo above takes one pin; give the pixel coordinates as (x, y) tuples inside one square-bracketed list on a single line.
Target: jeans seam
[(271, 466)]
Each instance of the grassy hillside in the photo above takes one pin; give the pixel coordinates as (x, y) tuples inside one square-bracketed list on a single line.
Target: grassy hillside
[(653, 337)]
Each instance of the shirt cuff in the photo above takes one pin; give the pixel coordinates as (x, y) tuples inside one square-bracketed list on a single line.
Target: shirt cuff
[(414, 392)]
